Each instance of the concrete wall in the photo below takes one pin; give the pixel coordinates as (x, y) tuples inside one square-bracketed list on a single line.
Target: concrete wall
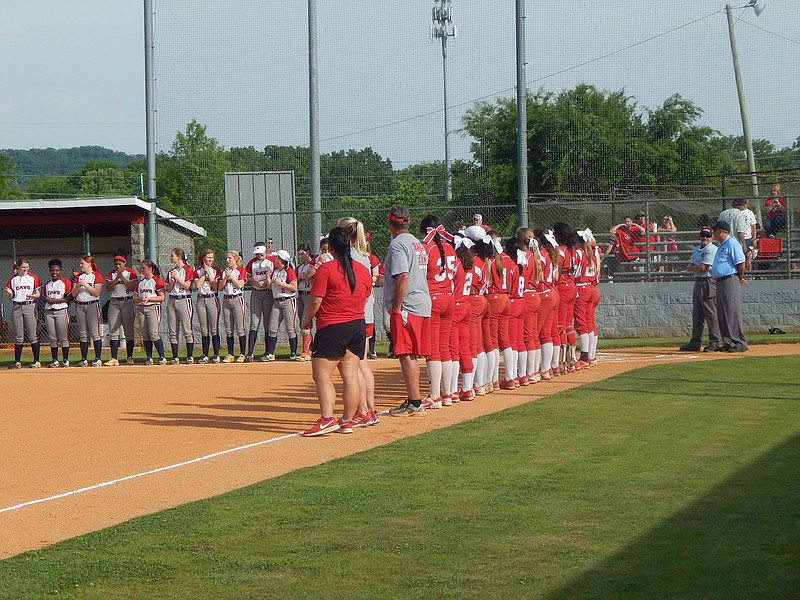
[(665, 309)]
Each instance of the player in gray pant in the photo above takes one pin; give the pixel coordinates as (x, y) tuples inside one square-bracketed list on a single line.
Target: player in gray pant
[(148, 297), (231, 283), (86, 291), (284, 305), (207, 306), (179, 304), (23, 289), (120, 284), (56, 315)]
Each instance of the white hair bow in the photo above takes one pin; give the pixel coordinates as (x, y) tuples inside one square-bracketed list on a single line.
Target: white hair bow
[(586, 234), (459, 241), (550, 237), (533, 243), (494, 242), (522, 258)]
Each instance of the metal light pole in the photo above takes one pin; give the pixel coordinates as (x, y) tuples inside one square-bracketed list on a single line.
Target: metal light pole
[(748, 142), (313, 113), (522, 120), (150, 126), (443, 28)]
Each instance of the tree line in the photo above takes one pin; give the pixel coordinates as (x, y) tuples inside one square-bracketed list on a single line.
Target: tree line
[(580, 141)]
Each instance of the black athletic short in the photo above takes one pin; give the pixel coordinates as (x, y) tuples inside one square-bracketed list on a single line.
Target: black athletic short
[(334, 340)]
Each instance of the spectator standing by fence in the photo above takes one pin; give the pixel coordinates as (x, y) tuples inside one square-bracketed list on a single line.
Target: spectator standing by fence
[(728, 272), (704, 295)]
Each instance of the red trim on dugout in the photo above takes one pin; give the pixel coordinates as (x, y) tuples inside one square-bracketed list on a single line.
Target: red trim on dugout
[(72, 217)]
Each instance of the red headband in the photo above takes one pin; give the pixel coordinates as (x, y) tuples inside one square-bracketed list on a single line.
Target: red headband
[(120, 257), (394, 219), (432, 231)]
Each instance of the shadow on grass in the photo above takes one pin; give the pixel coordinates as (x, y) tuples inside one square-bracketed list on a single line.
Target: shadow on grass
[(741, 540)]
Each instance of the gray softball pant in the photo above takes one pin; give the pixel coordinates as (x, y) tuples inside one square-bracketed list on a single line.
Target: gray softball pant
[(23, 320), (261, 302), (286, 310), (87, 315), (120, 316), (302, 302), (207, 309), (150, 321), (233, 313), (57, 322), (179, 313)]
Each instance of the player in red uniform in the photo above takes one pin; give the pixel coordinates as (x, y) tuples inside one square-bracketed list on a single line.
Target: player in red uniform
[(439, 274), (566, 238), (516, 371), (23, 289), (56, 312), (500, 269), (548, 253), (464, 331), (532, 274), (587, 272), (481, 312)]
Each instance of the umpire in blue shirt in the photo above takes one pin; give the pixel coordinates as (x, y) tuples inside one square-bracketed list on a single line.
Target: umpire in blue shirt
[(728, 271)]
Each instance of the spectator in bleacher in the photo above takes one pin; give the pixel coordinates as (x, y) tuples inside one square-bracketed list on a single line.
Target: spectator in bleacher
[(775, 206), (477, 219), (734, 217), (624, 245), (649, 227), (668, 230), (704, 296), (750, 240)]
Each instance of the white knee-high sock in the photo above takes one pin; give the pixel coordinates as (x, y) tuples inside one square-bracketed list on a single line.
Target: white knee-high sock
[(447, 372), (479, 372), (522, 364), (509, 364), (467, 380), (547, 356), (488, 374), (455, 367), (496, 374), (537, 360), (593, 346), (554, 362), (584, 338), (435, 378)]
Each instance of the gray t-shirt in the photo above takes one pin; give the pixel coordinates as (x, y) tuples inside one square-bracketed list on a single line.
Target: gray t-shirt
[(406, 254), (369, 307)]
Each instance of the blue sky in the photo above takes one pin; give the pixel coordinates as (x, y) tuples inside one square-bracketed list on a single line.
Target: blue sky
[(75, 76)]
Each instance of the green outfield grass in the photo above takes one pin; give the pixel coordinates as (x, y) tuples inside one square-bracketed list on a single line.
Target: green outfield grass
[(675, 481)]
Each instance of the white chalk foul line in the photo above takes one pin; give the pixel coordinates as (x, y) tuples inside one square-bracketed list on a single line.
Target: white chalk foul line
[(146, 473)]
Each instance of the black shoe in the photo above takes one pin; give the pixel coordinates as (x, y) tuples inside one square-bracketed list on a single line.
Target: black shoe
[(713, 348), (689, 348), (737, 349)]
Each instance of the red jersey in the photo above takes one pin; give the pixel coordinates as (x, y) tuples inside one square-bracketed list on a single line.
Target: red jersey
[(516, 281), (627, 242), (480, 282), (529, 271), (499, 282), (339, 304), (566, 264), (462, 282), (548, 272), (440, 280)]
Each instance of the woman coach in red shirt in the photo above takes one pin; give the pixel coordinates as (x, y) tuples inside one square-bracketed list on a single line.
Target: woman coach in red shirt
[(338, 295)]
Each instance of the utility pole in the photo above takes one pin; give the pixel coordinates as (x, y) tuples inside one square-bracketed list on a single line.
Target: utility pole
[(522, 120), (150, 126), (313, 113), (443, 28), (748, 142)]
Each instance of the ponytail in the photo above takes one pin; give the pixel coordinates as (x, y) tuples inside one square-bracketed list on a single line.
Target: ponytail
[(339, 240)]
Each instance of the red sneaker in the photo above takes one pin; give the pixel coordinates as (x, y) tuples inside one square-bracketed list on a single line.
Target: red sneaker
[(507, 384), (345, 426), (322, 426), (360, 420), (429, 403), (524, 380), (467, 395), (373, 418)]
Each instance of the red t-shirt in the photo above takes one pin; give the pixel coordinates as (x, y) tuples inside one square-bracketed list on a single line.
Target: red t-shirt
[(566, 264), (440, 281), (628, 241), (339, 305), (462, 282)]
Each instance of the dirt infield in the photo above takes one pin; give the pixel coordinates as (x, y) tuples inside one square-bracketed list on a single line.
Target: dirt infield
[(87, 448)]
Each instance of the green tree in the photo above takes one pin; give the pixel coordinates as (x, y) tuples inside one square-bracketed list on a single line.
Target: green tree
[(8, 189), (587, 140)]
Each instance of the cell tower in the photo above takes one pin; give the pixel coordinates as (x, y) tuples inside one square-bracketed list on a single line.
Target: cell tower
[(442, 29)]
